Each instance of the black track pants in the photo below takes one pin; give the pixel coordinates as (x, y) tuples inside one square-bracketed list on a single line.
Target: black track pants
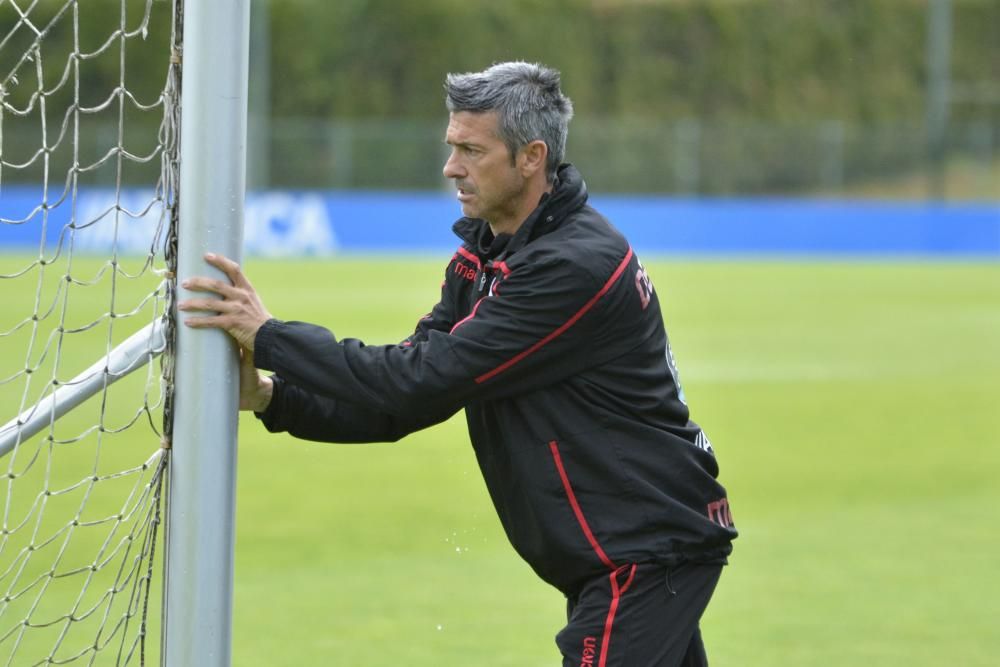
[(642, 615)]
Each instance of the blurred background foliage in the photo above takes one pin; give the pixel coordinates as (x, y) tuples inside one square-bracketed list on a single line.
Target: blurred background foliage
[(780, 60), (711, 97)]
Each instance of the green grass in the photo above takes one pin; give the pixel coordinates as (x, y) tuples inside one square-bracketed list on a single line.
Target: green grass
[(853, 406)]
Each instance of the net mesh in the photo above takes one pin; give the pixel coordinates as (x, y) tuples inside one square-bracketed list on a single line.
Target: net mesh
[(88, 143)]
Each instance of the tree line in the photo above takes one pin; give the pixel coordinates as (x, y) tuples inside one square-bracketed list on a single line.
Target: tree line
[(781, 60), (693, 77)]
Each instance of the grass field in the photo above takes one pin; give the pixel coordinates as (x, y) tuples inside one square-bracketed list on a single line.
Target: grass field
[(853, 406)]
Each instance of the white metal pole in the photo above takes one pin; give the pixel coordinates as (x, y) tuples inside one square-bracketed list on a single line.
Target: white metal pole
[(198, 587)]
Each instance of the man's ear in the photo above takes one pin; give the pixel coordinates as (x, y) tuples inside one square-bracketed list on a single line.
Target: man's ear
[(532, 158)]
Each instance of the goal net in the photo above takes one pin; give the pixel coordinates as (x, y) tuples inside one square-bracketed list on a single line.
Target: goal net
[(88, 137)]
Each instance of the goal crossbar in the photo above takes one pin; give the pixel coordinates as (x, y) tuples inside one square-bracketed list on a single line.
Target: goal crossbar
[(132, 354)]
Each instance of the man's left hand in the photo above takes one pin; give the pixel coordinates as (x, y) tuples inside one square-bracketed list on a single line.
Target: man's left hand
[(239, 311)]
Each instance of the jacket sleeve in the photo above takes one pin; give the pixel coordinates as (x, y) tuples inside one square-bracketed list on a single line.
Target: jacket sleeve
[(310, 416), (546, 321)]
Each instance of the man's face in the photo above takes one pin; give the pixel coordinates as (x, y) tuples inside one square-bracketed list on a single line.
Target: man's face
[(489, 185)]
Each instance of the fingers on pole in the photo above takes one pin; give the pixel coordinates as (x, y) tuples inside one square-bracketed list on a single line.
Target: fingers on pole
[(204, 284), (229, 267)]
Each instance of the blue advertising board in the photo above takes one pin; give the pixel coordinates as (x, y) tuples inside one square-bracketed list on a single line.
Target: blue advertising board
[(321, 223)]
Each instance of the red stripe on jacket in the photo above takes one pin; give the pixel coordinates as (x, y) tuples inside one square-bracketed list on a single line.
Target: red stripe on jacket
[(469, 256), (577, 510), (562, 329)]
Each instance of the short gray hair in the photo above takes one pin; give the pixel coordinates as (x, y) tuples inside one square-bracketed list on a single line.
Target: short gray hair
[(528, 103)]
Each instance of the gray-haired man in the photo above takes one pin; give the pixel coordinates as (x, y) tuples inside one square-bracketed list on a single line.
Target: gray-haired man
[(549, 334)]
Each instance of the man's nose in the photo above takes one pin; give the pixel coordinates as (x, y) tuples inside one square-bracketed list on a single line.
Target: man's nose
[(452, 167)]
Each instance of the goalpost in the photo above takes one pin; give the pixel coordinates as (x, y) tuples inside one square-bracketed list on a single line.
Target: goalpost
[(113, 183)]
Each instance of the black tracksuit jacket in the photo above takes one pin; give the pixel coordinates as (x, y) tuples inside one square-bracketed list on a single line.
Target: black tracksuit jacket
[(553, 341)]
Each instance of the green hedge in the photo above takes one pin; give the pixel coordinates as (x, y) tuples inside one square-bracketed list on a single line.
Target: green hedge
[(853, 60), (757, 82)]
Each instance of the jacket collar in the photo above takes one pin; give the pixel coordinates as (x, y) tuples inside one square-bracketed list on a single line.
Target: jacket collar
[(569, 193)]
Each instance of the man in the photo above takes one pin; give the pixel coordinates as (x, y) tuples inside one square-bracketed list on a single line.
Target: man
[(549, 334)]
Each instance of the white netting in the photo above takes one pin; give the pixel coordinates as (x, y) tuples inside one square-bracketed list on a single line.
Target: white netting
[(88, 124)]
